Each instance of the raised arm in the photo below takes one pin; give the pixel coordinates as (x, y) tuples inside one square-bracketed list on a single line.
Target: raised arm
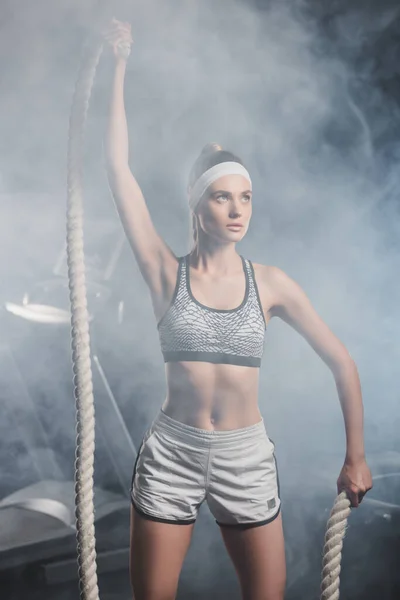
[(156, 261)]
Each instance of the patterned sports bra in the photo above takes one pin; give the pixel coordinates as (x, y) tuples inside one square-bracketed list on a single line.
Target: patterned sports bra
[(190, 331)]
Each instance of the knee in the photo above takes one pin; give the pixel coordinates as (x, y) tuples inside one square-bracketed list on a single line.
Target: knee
[(262, 590), (276, 595), (152, 590), (152, 594)]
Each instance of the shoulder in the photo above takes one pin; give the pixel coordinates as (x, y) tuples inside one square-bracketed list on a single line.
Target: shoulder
[(274, 283), (270, 275)]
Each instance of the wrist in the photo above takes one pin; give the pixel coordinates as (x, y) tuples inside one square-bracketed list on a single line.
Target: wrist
[(120, 63), (354, 457)]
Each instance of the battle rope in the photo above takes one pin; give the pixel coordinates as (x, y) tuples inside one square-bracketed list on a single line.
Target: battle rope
[(335, 530), (82, 364), (80, 329)]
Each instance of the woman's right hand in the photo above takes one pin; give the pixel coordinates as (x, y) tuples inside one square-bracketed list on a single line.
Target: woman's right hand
[(119, 37)]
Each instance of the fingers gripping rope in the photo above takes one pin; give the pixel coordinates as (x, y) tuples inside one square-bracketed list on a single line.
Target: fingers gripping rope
[(82, 364)]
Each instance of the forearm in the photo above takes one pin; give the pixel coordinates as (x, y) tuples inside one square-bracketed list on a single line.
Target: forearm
[(116, 143), (350, 396)]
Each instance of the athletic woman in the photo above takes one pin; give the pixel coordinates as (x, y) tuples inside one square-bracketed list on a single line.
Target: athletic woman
[(208, 441)]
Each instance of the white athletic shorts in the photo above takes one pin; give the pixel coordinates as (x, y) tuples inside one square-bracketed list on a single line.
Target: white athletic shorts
[(179, 466)]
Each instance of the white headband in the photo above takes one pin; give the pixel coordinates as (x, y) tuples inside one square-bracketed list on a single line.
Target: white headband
[(204, 182)]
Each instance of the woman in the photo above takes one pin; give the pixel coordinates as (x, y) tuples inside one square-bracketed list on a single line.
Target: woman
[(209, 442)]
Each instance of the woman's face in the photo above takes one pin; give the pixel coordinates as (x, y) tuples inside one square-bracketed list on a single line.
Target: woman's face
[(224, 213)]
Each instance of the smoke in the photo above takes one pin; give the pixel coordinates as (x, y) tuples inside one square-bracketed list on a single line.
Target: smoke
[(292, 88)]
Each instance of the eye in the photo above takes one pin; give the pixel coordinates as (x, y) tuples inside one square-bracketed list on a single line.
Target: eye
[(247, 198), (221, 198)]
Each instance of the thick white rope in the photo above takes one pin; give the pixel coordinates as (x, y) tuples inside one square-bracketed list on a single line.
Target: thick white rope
[(335, 531), (85, 444), (80, 329)]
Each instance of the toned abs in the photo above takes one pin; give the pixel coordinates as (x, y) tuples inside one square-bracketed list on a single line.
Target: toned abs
[(212, 397)]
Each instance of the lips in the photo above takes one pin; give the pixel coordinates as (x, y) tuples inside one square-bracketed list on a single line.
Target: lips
[(235, 226)]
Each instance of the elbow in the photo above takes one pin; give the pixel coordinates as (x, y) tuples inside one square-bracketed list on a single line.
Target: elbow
[(115, 167), (342, 366), (115, 158)]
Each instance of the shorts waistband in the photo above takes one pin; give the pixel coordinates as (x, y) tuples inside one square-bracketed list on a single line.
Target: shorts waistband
[(204, 437)]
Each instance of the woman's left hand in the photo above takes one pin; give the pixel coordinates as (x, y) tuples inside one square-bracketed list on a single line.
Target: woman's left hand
[(355, 479)]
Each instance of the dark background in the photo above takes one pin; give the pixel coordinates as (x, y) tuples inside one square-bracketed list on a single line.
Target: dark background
[(308, 94)]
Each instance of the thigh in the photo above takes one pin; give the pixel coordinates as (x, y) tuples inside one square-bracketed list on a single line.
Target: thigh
[(244, 486), (157, 554), (168, 478), (258, 555)]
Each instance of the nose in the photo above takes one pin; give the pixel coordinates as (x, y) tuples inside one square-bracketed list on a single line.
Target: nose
[(235, 209)]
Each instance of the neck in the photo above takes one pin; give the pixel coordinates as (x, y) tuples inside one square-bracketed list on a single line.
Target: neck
[(216, 258)]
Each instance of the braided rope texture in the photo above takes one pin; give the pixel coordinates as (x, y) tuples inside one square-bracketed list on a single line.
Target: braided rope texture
[(335, 532), (83, 386)]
